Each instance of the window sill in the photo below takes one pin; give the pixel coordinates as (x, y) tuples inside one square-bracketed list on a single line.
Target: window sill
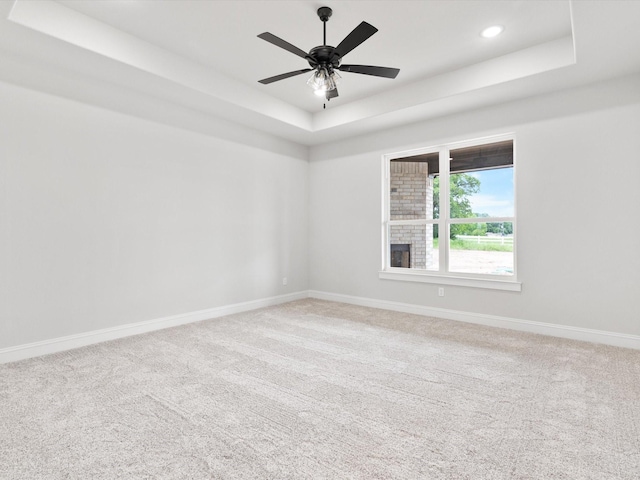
[(489, 283)]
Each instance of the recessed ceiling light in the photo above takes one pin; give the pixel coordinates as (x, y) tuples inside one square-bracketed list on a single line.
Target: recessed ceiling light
[(492, 31)]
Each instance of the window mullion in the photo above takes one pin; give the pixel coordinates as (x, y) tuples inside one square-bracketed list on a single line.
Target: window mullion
[(421, 221), (386, 214), (443, 229), (481, 220)]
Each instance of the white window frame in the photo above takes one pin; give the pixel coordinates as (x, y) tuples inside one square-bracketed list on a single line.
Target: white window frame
[(443, 276)]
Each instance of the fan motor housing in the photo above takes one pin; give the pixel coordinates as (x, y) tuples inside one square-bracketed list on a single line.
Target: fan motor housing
[(324, 55)]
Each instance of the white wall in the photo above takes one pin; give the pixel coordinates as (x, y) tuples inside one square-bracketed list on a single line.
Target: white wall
[(106, 219), (578, 193)]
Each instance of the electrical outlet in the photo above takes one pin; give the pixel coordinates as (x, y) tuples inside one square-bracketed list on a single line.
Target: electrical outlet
[(441, 292), (284, 280)]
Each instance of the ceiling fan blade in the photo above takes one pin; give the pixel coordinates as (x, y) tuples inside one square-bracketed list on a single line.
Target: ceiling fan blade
[(282, 76), (277, 41), (355, 38), (331, 94), (371, 70)]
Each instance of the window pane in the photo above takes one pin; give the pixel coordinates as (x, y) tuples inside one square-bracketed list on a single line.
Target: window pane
[(411, 190), (481, 181), (486, 193), (477, 248), (412, 246)]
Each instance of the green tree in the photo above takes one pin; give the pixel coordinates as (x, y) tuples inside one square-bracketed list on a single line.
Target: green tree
[(461, 186), (502, 228)]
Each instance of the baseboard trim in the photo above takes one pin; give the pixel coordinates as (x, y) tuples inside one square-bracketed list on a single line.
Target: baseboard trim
[(550, 329), (55, 345)]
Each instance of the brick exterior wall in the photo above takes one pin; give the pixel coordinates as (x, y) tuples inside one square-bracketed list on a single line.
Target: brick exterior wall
[(411, 193)]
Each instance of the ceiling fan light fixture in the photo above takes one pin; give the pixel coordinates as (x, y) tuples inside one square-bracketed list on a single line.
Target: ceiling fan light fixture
[(321, 81)]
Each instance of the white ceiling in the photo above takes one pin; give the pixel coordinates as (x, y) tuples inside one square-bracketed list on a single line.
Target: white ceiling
[(222, 35), (204, 57)]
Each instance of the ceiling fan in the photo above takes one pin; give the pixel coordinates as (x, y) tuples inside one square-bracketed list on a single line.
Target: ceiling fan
[(324, 60)]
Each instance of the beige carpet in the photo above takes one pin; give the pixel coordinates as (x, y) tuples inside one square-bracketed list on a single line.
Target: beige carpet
[(320, 390)]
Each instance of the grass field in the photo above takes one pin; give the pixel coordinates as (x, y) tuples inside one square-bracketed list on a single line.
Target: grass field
[(485, 244)]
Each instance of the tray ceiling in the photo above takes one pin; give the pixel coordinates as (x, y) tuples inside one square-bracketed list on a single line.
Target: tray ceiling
[(205, 56)]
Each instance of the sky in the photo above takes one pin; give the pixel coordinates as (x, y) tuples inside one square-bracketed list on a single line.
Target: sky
[(496, 192)]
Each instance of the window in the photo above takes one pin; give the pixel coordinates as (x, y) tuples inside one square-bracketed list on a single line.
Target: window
[(449, 214)]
